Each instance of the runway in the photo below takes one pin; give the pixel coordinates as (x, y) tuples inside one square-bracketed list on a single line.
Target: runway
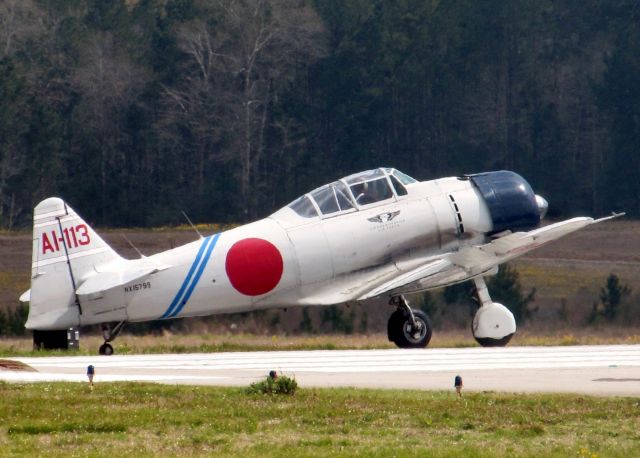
[(595, 370)]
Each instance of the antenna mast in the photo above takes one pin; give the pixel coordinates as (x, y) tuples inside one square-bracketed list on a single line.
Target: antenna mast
[(192, 225)]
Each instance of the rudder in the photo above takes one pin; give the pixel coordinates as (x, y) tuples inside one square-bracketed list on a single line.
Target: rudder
[(65, 250)]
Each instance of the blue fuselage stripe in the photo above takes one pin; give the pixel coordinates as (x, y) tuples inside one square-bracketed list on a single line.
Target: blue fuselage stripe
[(196, 278), (182, 289)]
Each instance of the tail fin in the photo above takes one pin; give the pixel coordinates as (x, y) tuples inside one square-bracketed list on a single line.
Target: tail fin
[(65, 250)]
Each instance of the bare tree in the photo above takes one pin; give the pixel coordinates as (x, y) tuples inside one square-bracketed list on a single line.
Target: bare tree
[(194, 106), (239, 57), (11, 166), (108, 81), (18, 20)]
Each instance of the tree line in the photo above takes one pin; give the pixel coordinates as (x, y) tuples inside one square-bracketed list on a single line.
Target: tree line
[(135, 110)]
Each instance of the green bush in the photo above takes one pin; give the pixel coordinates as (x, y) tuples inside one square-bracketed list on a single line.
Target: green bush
[(611, 297), (12, 321), (337, 319), (506, 289), (271, 385)]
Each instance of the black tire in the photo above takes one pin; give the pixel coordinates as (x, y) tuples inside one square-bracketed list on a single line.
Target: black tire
[(406, 337), (394, 326), (488, 342), (106, 349)]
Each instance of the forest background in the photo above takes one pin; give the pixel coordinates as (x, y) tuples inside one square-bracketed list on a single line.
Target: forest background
[(136, 110), (228, 109)]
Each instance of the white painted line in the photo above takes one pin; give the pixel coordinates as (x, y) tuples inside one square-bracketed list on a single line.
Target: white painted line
[(17, 376)]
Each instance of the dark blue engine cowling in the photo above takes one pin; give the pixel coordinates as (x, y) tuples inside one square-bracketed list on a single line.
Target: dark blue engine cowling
[(511, 201)]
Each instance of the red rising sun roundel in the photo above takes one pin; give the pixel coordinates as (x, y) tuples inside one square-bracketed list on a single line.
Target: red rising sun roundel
[(254, 266)]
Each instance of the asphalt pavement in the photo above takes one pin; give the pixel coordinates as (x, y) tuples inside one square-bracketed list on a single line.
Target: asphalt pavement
[(596, 370)]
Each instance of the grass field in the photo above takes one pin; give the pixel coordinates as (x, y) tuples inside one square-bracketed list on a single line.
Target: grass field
[(59, 419)]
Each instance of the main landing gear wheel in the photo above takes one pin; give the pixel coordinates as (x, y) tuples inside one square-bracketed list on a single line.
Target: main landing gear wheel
[(408, 328), (106, 349)]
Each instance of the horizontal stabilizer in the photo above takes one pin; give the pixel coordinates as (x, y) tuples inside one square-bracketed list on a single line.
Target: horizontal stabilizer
[(25, 297), (102, 282)]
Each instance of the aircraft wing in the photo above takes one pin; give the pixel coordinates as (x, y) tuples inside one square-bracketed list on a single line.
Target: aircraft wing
[(503, 249), (474, 260), (412, 277)]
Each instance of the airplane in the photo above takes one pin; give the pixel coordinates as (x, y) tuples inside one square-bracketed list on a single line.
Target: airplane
[(373, 234)]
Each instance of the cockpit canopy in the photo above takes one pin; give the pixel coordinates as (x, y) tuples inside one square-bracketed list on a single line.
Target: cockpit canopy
[(352, 193)]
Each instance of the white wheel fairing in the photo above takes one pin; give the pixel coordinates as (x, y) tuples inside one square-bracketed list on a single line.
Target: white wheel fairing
[(493, 325)]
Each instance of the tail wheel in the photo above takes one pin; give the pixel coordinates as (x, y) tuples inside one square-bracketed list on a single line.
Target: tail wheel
[(405, 333), (106, 349)]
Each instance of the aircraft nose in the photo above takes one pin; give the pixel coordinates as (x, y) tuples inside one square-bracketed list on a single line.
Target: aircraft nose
[(543, 205)]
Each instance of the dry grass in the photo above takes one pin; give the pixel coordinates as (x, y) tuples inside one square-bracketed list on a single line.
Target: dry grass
[(209, 343), (554, 279)]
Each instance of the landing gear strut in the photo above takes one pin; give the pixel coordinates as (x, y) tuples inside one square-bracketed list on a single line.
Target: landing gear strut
[(407, 327), (109, 335)]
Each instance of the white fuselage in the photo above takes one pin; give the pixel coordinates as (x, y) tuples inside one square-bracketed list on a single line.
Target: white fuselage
[(287, 260)]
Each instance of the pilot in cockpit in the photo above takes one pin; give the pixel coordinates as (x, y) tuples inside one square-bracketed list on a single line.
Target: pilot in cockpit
[(363, 193)]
